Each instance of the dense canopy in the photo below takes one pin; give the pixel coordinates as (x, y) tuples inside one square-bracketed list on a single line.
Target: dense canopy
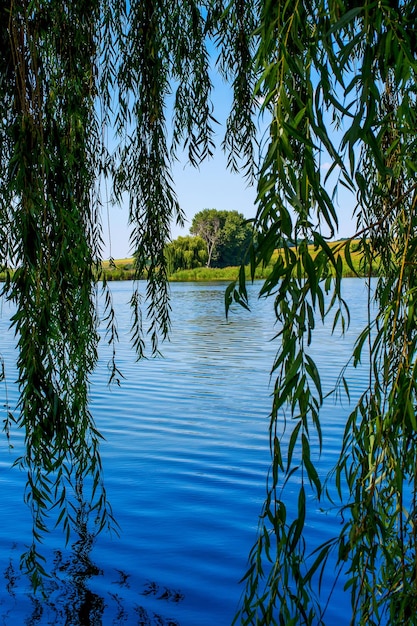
[(87, 92), (226, 234)]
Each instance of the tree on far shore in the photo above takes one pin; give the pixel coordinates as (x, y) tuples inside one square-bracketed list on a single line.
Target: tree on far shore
[(226, 233), (207, 225), (185, 253)]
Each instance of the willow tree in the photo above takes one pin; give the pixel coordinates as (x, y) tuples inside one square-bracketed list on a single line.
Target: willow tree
[(73, 73), (326, 70)]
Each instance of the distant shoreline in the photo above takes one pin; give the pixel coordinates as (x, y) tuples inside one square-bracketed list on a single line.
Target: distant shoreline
[(124, 269)]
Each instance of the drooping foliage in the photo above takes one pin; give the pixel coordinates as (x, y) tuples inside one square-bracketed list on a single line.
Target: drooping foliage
[(338, 80), (185, 253), (333, 80), (83, 96), (50, 150)]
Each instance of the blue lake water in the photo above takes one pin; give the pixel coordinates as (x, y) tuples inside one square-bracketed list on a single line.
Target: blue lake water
[(185, 457)]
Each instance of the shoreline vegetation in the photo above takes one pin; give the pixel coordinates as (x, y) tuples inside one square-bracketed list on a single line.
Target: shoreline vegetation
[(124, 269)]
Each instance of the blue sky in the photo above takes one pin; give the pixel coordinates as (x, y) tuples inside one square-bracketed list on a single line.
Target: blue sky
[(210, 186)]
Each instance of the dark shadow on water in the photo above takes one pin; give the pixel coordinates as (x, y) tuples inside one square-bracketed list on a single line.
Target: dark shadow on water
[(67, 597)]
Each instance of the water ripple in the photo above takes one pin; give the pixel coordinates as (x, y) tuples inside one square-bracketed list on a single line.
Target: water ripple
[(185, 457)]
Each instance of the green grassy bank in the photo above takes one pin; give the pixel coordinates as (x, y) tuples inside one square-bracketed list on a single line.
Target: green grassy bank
[(123, 269)]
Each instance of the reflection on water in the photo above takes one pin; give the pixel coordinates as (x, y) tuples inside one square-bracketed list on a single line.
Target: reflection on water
[(185, 458), (67, 597)]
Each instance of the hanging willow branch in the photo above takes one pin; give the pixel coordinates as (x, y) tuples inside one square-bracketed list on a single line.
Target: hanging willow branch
[(71, 73), (325, 67), (49, 175)]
